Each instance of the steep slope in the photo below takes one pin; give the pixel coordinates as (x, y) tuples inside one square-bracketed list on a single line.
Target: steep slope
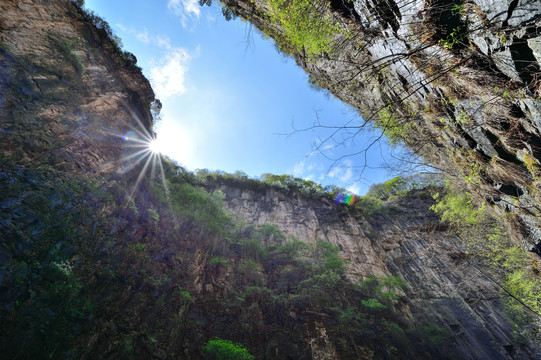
[(455, 81), (102, 257), (444, 288), (68, 96)]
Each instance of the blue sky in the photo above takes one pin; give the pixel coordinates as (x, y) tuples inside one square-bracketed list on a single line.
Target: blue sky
[(230, 99)]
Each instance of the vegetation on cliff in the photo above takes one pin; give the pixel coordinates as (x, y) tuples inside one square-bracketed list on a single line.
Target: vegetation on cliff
[(498, 257), (456, 82), (90, 267), (81, 252)]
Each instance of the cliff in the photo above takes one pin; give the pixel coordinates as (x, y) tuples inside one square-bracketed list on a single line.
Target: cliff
[(457, 82), (408, 241), (67, 96), (107, 252)]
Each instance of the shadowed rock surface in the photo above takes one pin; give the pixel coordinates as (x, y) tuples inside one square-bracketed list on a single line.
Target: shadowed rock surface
[(92, 266)]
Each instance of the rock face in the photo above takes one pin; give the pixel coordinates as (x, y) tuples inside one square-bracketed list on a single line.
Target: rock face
[(456, 81), (444, 289), (67, 97), (90, 269)]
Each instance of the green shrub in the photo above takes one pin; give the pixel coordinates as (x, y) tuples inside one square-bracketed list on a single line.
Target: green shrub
[(349, 317), (458, 208), (271, 231), (371, 205), (154, 216), (293, 248), (435, 334), (487, 243), (373, 304), (306, 23), (327, 254), (216, 261), (66, 50), (395, 129), (219, 349)]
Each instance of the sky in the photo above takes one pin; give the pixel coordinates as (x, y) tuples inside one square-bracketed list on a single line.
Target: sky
[(232, 102)]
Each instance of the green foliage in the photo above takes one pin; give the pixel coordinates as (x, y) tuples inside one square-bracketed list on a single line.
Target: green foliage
[(455, 39), (327, 254), (306, 23), (371, 205), (391, 187), (396, 130), (458, 208), (383, 288), (373, 304), (216, 261), (291, 183), (219, 349), (434, 334), (227, 12), (185, 296), (320, 287), (139, 248), (487, 243), (252, 272), (349, 317), (272, 232), (154, 216), (66, 50), (79, 3), (252, 247), (196, 203), (377, 199), (292, 249)]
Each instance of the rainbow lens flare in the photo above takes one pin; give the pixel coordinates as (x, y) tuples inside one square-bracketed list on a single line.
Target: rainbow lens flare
[(343, 198), (130, 135)]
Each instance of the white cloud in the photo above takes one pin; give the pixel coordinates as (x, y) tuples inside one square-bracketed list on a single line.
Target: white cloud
[(123, 28), (348, 173), (163, 42), (142, 36), (187, 10), (298, 169), (342, 172), (334, 172), (355, 188), (168, 77)]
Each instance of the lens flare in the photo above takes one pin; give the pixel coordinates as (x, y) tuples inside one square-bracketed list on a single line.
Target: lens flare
[(344, 198), (130, 135), (155, 146)]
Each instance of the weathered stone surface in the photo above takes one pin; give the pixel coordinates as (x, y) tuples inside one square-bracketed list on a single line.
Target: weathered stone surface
[(444, 289), (53, 113), (62, 80)]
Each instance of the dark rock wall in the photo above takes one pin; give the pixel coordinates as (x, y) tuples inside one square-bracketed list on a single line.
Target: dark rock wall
[(67, 97), (86, 274), (444, 289)]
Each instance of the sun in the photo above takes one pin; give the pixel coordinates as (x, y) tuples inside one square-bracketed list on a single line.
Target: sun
[(155, 146)]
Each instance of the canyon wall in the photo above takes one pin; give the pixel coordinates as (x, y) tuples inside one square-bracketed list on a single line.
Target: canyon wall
[(457, 82), (67, 96), (90, 268), (408, 241)]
